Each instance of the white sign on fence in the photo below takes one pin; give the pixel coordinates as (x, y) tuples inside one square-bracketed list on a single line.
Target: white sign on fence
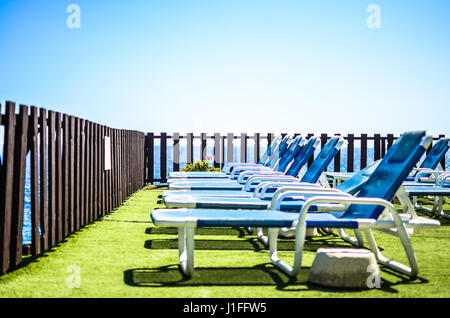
[(107, 153)]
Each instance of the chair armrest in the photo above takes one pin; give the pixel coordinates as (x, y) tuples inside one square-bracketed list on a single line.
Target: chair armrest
[(238, 170), (244, 175), (348, 201), (267, 177), (289, 191), (231, 165), (428, 173), (442, 179), (297, 185)]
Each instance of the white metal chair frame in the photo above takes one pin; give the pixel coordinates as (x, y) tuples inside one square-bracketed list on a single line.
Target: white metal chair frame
[(397, 226)]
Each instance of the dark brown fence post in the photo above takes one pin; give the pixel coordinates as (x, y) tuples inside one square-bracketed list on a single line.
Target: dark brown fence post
[(71, 175), (337, 160), (59, 179), (176, 152), (257, 147), (216, 150), (7, 184), (443, 159), (190, 148), (45, 175), (34, 184), (376, 147), (363, 151), (83, 165), (230, 149), (202, 146), (311, 160), (243, 156), (150, 156), (350, 152), (77, 180), (20, 157), (163, 157), (390, 140), (323, 141), (383, 146), (270, 137)]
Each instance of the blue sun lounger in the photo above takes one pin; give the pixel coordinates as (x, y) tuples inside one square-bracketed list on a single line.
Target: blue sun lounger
[(276, 165), (269, 159), (263, 195), (418, 176), (431, 161), (362, 214), (236, 189)]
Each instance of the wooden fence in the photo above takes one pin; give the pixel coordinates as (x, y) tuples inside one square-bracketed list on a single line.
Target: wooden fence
[(80, 170), (223, 149), (75, 178)]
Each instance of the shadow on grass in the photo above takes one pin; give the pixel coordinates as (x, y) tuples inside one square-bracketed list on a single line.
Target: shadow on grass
[(239, 232), (251, 243), (260, 275), (171, 276)]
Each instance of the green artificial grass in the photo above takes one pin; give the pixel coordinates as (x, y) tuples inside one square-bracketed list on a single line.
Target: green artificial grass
[(124, 255)]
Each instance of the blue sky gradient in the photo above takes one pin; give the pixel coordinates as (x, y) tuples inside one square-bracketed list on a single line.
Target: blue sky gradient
[(232, 66)]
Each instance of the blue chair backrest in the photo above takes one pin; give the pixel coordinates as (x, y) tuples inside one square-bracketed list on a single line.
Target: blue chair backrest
[(269, 150), (278, 152), (355, 183), (291, 152), (390, 173), (329, 150), (303, 156), (436, 154)]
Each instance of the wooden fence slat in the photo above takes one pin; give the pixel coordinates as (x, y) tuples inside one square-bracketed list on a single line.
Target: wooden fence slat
[(216, 150), (243, 147), (443, 159), (150, 156), (96, 173), (337, 160), (390, 140), (76, 179), (363, 157), (376, 147), (101, 168), (202, 146), (176, 152), (82, 158), (34, 181), (6, 190), (190, 148), (257, 147), (59, 179), (163, 157), (91, 191), (230, 146), (350, 152), (20, 156), (269, 138), (311, 160), (44, 179), (323, 141)]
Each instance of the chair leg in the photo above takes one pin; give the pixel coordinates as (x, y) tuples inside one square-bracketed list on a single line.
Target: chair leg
[(358, 241), (441, 208), (186, 249), (299, 244), (262, 237), (411, 271), (408, 206)]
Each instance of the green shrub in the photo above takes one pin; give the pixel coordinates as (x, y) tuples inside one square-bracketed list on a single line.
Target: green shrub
[(200, 165)]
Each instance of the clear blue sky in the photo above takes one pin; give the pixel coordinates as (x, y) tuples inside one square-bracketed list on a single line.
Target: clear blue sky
[(232, 66)]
